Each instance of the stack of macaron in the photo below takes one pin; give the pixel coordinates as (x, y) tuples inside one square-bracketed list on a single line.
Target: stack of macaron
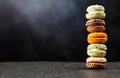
[(97, 37)]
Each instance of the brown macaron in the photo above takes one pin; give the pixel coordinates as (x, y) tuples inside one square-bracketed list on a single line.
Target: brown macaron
[(95, 25), (96, 62)]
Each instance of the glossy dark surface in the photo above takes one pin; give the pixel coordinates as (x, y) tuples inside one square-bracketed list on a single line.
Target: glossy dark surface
[(56, 70)]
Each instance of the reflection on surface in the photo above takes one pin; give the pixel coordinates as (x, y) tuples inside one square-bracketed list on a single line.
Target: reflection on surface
[(95, 74)]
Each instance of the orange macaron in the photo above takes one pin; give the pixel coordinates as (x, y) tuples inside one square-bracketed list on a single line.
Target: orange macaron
[(97, 38)]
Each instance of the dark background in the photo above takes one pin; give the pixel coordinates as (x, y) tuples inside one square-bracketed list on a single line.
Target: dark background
[(53, 30)]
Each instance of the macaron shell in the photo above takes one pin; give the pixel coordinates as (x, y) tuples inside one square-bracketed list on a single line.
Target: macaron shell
[(96, 54), (95, 8), (97, 40), (95, 47), (96, 65), (95, 28), (95, 22), (96, 60), (95, 15), (97, 35)]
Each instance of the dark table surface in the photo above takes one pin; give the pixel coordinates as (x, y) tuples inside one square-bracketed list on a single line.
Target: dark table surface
[(56, 70)]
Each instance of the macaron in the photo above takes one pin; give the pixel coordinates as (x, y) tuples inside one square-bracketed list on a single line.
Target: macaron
[(95, 11), (95, 22), (96, 62), (97, 50), (95, 8), (97, 38), (96, 14), (95, 25)]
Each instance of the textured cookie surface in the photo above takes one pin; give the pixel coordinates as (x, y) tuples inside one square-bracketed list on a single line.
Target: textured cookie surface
[(97, 38), (96, 53), (96, 60), (95, 22), (95, 11), (95, 8), (97, 46), (94, 15), (95, 28), (95, 65)]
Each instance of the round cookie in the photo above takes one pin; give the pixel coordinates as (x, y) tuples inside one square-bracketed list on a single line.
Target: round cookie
[(96, 62), (95, 11), (95, 25), (95, 65), (96, 53), (95, 22), (95, 14), (96, 50), (97, 46), (95, 8), (96, 28), (97, 38)]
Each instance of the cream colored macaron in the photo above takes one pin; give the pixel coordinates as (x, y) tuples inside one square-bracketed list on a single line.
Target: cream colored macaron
[(96, 62)]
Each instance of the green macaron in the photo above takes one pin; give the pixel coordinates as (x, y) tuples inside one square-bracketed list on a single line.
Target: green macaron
[(96, 53), (95, 11), (97, 50), (97, 46)]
